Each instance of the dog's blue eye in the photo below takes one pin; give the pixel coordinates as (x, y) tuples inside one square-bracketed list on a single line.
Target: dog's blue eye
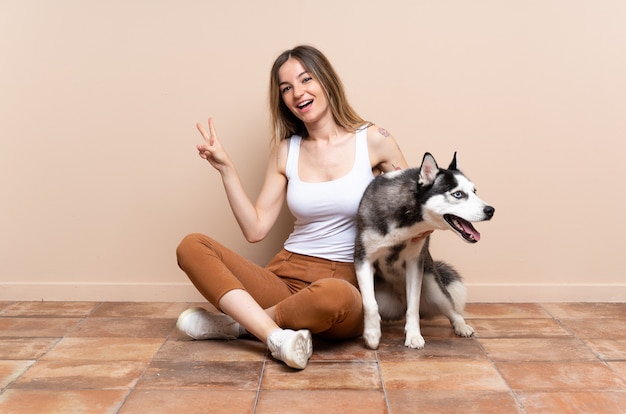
[(458, 194)]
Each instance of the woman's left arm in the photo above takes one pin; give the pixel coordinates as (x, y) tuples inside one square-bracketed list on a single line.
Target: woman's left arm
[(385, 153)]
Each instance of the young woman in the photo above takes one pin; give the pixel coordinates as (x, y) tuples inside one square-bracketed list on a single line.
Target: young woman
[(323, 157)]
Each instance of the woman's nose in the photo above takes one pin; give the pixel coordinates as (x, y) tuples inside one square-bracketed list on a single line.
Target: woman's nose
[(298, 90)]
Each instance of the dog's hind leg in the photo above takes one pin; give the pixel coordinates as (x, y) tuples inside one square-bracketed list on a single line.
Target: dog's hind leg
[(371, 329), (443, 293), (453, 312), (414, 278), (436, 302), (461, 328)]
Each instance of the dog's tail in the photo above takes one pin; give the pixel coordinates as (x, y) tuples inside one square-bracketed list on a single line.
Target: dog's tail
[(450, 280)]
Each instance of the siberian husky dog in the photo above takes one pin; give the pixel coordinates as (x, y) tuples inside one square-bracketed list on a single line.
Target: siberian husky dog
[(395, 272)]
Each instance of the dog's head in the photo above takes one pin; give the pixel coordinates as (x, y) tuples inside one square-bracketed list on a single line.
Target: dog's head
[(451, 201)]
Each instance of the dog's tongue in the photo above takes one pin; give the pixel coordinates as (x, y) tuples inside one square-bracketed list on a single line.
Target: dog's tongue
[(469, 229)]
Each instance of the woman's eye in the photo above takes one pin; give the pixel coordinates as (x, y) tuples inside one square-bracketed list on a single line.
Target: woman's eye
[(307, 79), (285, 89)]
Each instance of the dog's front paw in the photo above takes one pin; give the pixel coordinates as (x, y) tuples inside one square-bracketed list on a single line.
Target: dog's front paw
[(372, 332), (414, 341), (414, 338), (372, 339), (463, 329)]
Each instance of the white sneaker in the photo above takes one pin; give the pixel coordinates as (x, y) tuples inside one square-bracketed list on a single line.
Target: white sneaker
[(198, 323), (294, 348)]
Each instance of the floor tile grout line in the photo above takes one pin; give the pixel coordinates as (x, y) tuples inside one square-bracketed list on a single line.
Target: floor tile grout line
[(83, 320), (139, 377), (570, 334), (596, 354), (7, 305), (50, 348), (47, 315), (143, 372), (8, 386), (382, 382), (257, 397), (493, 363), (617, 374), (582, 341), (95, 308)]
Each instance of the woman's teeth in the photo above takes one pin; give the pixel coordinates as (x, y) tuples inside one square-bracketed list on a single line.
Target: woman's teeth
[(303, 104)]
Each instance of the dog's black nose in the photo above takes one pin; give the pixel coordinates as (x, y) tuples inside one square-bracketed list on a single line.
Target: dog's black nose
[(489, 211)]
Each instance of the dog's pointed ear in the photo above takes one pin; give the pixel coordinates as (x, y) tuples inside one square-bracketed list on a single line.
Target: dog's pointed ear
[(454, 165), (428, 170)]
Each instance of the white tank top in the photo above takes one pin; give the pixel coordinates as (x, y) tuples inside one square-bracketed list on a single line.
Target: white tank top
[(325, 212)]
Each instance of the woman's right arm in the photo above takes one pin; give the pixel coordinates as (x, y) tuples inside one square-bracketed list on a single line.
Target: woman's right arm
[(255, 220)]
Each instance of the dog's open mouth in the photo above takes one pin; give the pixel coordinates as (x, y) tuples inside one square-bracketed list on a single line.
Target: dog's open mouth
[(463, 227)]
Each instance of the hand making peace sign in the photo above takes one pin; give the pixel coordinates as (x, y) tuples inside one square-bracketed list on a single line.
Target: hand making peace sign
[(212, 150)]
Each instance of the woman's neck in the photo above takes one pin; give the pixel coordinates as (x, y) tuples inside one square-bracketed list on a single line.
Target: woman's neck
[(324, 131)]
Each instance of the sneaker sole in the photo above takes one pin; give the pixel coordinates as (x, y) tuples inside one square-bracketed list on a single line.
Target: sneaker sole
[(309, 341), (303, 349)]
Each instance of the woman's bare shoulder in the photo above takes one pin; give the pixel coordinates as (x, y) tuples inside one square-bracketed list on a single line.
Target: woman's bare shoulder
[(279, 155), (384, 151)]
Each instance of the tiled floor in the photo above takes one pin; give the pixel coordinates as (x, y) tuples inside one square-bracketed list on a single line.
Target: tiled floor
[(78, 357)]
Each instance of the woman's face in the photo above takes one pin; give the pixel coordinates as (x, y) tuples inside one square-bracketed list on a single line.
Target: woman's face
[(301, 93)]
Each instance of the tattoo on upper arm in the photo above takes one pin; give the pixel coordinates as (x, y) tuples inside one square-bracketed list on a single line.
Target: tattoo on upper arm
[(383, 132)]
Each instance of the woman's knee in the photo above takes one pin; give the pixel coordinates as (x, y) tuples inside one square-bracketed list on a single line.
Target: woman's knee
[(343, 306), (190, 245), (339, 295)]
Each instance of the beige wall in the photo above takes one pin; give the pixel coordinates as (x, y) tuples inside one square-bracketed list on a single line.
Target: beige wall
[(99, 177)]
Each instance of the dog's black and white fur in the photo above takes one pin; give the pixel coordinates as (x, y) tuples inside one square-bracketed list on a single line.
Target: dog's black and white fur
[(395, 271)]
